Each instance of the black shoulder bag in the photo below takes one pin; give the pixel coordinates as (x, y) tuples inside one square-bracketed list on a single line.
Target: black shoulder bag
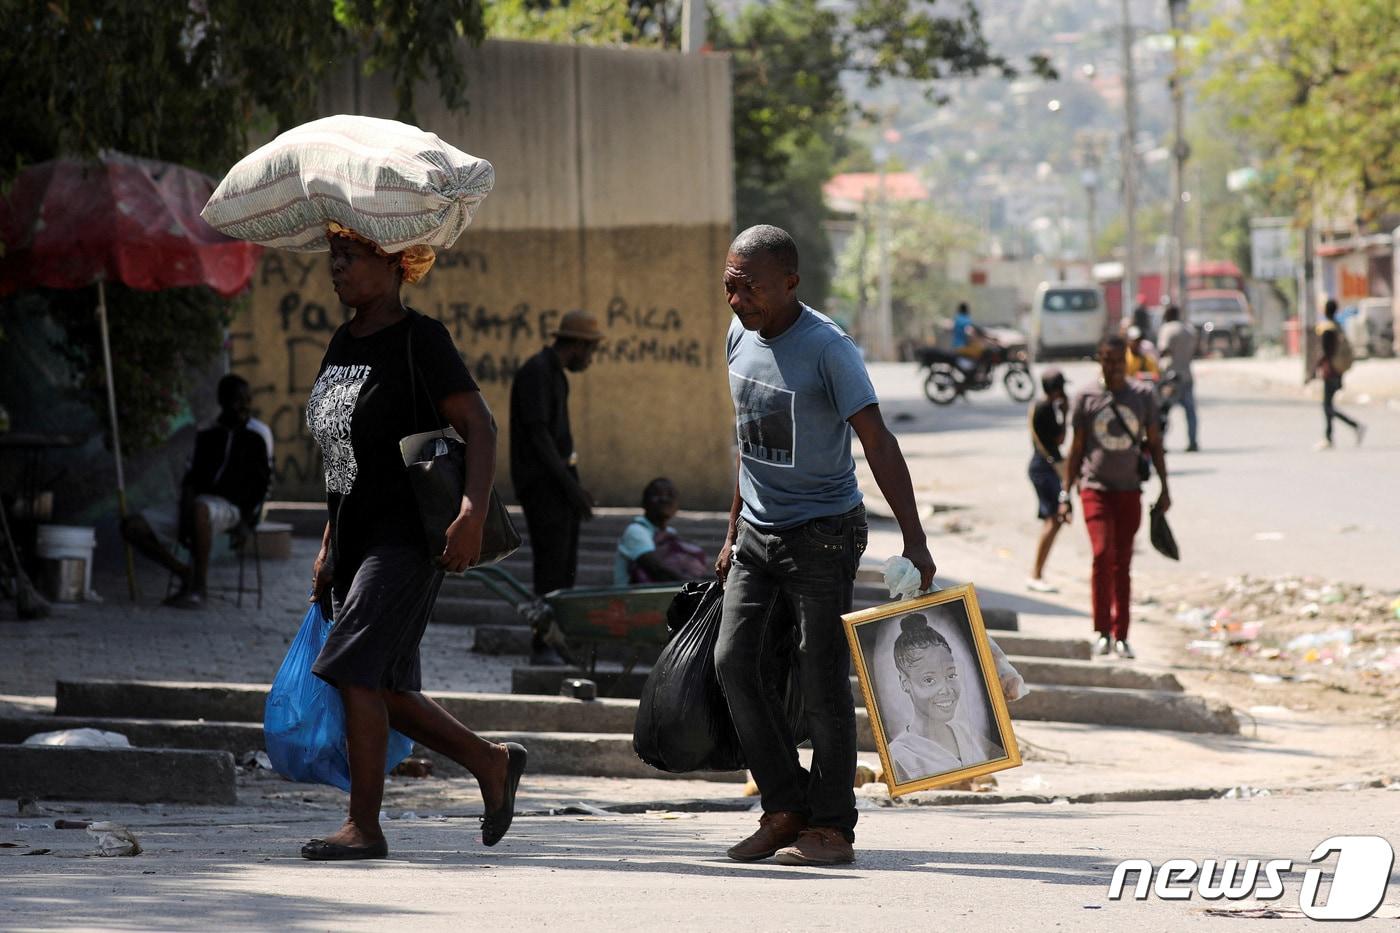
[(1144, 460), (437, 471)]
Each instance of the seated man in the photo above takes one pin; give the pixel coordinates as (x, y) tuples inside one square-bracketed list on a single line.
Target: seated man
[(649, 552), (223, 489)]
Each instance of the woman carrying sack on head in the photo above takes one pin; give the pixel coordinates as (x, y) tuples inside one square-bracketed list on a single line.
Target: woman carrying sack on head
[(387, 372)]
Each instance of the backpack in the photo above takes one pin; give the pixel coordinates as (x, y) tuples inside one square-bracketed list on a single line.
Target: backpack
[(1342, 354)]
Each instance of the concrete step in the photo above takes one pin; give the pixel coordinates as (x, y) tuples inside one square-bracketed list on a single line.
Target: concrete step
[(1041, 646), (1067, 673), (308, 520), (500, 630), (244, 703), (573, 752), (1036, 671), (1139, 709), (125, 775), (565, 736)]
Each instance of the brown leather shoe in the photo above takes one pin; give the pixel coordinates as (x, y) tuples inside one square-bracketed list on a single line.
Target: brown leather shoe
[(775, 830), (818, 845)]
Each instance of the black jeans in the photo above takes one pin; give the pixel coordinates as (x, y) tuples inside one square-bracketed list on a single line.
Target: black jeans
[(1330, 388), (553, 523), (803, 576)]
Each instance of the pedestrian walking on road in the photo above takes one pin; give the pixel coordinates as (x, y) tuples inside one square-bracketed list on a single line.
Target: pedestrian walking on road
[(543, 463), (1177, 341), (1335, 359), (1047, 423), (1116, 436), (796, 534), (384, 371)]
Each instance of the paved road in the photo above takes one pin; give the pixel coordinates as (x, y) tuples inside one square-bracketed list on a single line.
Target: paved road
[(1257, 500), (1006, 868)]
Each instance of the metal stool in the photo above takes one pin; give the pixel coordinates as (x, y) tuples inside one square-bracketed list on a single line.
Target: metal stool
[(242, 551)]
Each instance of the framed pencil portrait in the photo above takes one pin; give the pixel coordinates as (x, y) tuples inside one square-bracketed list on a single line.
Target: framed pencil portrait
[(931, 690)]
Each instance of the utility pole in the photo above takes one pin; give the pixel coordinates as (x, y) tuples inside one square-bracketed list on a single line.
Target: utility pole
[(692, 26), (882, 332), (1181, 151), (1130, 276), (1089, 161)]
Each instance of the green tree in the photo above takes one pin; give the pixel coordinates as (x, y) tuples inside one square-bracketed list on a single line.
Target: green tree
[(185, 82), (921, 293), (791, 117), (1313, 84)]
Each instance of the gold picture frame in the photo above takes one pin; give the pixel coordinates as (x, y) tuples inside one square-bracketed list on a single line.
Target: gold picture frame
[(909, 681)]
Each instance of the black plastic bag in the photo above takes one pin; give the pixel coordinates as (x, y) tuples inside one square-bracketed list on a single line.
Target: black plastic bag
[(1162, 538), (683, 722)]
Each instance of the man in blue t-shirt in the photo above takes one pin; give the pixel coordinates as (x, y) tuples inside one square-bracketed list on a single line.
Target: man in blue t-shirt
[(796, 533), (964, 331)]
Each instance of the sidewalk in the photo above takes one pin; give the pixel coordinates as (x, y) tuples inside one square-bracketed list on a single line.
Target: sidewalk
[(1369, 381)]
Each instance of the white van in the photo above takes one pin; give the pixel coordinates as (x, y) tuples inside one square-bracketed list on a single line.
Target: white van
[(1067, 319)]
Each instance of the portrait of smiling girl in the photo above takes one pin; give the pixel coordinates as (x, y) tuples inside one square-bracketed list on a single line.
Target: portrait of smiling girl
[(935, 738)]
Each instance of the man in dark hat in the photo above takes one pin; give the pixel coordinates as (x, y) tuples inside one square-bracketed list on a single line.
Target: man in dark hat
[(543, 463), (1047, 422)]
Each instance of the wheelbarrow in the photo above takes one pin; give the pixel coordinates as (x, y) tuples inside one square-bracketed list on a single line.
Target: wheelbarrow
[(586, 617)]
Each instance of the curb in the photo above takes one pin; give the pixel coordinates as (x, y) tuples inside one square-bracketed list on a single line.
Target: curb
[(958, 798)]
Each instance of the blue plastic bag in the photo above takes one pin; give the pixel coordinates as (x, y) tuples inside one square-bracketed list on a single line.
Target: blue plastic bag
[(304, 720)]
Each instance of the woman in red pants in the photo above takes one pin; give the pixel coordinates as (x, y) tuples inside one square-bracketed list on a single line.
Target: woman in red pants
[(1116, 433)]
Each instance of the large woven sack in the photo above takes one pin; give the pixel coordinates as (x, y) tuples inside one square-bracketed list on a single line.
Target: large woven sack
[(393, 183)]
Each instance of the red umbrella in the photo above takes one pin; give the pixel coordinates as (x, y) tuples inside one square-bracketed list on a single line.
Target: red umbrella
[(71, 223)]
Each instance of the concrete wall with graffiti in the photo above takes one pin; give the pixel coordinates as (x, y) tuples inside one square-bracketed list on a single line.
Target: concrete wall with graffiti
[(613, 194)]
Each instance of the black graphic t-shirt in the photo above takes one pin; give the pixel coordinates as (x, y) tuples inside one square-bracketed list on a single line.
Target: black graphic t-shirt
[(360, 406)]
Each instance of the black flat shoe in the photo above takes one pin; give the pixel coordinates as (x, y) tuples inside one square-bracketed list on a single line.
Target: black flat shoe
[(495, 823), (319, 850)]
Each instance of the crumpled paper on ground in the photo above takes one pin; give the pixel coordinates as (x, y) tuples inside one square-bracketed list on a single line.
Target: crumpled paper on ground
[(903, 579)]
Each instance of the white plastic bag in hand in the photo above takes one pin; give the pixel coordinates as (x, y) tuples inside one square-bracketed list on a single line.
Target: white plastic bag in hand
[(903, 579)]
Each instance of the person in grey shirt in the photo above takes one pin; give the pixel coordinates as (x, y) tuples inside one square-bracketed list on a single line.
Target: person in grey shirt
[(796, 533), (1177, 343)]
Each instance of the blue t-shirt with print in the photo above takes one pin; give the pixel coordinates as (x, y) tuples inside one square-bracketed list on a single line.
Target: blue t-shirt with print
[(792, 398)]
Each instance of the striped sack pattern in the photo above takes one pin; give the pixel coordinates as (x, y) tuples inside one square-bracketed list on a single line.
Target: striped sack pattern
[(391, 182)]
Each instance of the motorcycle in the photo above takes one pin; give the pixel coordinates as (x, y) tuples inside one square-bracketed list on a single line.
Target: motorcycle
[(1167, 389), (951, 375)]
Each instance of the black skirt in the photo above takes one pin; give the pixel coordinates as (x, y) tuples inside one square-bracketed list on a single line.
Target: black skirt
[(381, 611)]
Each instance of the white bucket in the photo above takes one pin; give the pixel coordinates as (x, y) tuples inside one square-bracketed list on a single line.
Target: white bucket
[(68, 542)]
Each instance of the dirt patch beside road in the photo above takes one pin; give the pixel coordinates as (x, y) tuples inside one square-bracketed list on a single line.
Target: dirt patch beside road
[(1290, 641)]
